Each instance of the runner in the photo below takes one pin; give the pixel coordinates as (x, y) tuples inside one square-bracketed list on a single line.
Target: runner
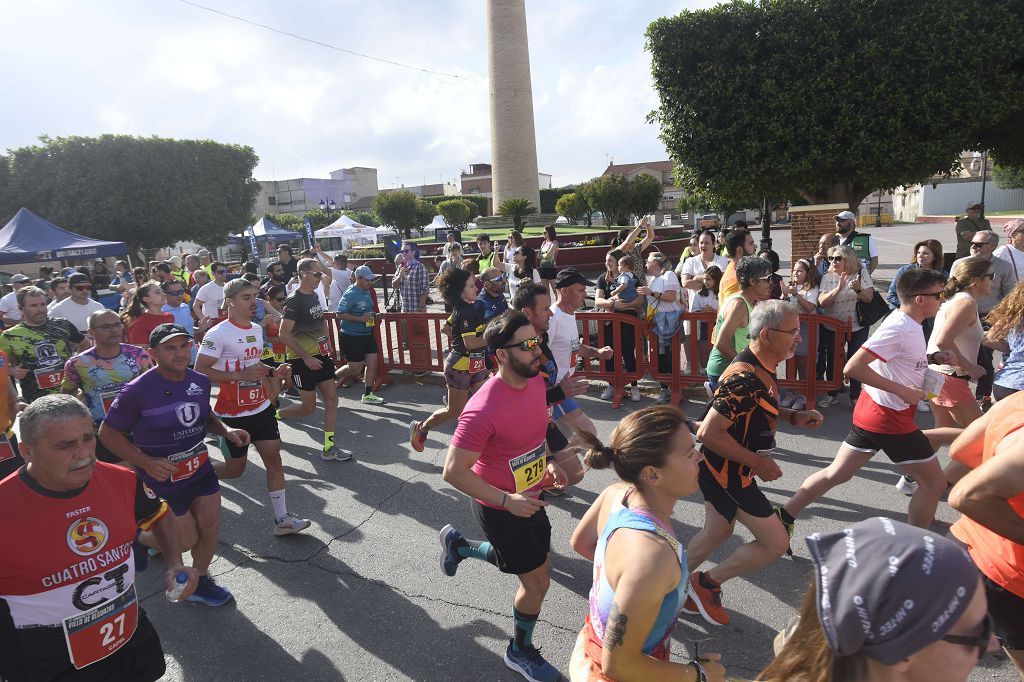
[(304, 333), (166, 413), (230, 355), (640, 577), (10, 406), (534, 301), (38, 347), (566, 345), (498, 457), (71, 611), (492, 297), (274, 349), (358, 343), (77, 307), (891, 364), (991, 499), (209, 299), (98, 374), (738, 433), (465, 368)]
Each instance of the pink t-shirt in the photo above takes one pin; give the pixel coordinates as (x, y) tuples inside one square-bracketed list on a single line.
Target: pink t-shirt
[(507, 427)]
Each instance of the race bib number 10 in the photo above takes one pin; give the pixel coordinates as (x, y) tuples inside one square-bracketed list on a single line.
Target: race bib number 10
[(95, 634), (528, 468)]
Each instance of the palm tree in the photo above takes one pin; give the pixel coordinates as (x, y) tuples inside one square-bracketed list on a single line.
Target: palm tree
[(518, 209)]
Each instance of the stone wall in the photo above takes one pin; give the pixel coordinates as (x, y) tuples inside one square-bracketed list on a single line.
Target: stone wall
[(809, 223)]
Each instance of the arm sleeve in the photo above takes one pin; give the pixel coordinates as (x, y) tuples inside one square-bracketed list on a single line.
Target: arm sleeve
[(291, 310), (344, 303), (71, 378), (865, 279), (671, 281), (884, 343), (73, 334)]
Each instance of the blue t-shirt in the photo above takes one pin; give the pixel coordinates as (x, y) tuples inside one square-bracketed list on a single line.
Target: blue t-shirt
[(629, 293), (163, 417), (491, 306), (355, 301)]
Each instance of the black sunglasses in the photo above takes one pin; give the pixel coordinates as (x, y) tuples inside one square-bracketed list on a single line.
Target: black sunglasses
[(525, 345), (836, 259), (931, 294), (981, 640), (174, 292)]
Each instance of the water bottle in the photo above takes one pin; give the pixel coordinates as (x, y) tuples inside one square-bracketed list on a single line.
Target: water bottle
[(180, 581)]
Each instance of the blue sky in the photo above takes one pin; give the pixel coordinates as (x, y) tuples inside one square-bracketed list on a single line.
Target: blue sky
[(162, 67)]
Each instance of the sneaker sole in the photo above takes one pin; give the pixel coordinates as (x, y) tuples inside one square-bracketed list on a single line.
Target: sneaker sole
[(512, 665), (289, 531), (700, 607), (444, 548), (412, 436), (329, 458), (200, 600)]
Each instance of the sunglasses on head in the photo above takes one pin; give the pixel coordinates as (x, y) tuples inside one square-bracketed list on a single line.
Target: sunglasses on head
[(497, 278), (526, 345)]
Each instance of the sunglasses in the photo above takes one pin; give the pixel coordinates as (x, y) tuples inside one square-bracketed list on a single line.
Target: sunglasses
[(113, 326), (528, 344), (318, 275), (174, 292), (930, 294), (498, 278), (981, 641), (978, 245), (836, 259), (791, 332)]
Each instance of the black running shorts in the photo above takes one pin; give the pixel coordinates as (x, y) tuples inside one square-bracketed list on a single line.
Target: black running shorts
[(306, 379), (259, 426), (1007, 610), (902, 448), (522, 545), (356, 348), (727, 501)]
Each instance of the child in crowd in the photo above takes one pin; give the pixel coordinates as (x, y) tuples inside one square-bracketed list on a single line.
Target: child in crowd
[(702, 301), (803, 292), (626, 291)]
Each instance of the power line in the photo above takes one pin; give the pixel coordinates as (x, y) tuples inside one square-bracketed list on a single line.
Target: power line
[(327, 45)]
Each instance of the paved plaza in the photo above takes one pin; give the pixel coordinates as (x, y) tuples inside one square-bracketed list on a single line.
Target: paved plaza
[(361, 596)]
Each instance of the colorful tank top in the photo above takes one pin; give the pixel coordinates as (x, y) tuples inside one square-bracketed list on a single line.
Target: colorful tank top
[(602, 594)]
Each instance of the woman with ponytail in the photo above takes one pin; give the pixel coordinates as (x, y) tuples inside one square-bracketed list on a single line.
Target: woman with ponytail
[(958, 330), (144, 313), (640, 572)]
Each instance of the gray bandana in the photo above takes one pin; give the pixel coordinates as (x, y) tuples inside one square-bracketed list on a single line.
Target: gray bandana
[(887, 589)]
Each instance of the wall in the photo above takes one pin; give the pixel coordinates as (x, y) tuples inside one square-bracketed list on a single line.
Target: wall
[(950, 198), (809, 223)]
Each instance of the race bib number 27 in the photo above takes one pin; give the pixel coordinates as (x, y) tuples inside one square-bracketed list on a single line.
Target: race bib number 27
[(95, 634)]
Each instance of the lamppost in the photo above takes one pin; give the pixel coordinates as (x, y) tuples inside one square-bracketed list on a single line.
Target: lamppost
[(878, 212), (766, 227), (984, 177), (328, 205)]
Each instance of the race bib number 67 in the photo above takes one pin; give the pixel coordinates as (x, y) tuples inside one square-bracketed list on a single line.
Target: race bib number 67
[(528, 468)]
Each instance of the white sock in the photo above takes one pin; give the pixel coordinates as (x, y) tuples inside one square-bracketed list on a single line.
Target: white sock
[(277, 500)]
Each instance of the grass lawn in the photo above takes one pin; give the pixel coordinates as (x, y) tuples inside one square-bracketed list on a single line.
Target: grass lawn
[(494, 233)]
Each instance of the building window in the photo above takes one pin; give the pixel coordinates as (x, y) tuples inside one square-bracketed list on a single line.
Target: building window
[(271, 201)]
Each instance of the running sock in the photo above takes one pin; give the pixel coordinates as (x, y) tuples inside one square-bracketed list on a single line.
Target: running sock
[(328, 440), (366, 389), (524, 629), (470, 549), (278, 503), (277, 415), (784, 515)]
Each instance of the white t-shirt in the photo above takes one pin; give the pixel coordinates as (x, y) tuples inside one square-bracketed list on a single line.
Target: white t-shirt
[(844, 305), (235, 348), (9, 306), (563, 340), (699, 302), (694, 266), (212, 296), (899, 349), (514, 282), (1007, 252), (340, 281), (666, 281), (75, 313)]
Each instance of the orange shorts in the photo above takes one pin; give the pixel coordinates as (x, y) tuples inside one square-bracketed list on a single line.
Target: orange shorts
[(954, 391)]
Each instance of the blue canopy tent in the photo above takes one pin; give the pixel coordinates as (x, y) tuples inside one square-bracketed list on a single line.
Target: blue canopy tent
[(266, 231), (27, 238)]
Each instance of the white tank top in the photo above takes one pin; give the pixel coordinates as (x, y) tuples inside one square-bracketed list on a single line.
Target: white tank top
[(967, 342)]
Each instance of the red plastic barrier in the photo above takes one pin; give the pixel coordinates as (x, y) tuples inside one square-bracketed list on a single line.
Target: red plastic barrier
[(618, 377), (412, 342)]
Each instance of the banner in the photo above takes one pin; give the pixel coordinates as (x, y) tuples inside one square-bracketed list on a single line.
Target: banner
[(252, 243), (309, 231)]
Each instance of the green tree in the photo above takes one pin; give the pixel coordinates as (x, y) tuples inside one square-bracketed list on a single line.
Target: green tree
[(479, 202), (1008, 177), (148, 192), (644, 195), (287, 221), (517, 209), (398, 210), (363, 218), (425, 212), (573, 206), (455, 212), (831, 99), (609, 194), (320, 218), (549, 198)]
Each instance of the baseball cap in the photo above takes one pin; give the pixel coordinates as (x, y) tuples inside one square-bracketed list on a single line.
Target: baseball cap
[(973, 204), (846, 215), (167, 330), (19, 278), (365, 272), (203, 252), (78, 278), (570, 276)]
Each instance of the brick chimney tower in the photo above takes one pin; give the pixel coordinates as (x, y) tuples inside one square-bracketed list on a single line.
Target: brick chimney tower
[(513, 139)]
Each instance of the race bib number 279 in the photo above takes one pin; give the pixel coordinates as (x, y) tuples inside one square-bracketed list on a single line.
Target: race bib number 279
[(528, 468)]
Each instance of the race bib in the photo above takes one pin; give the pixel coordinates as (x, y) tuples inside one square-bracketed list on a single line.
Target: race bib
[(49, 378), (6, 448), (95, 634), (372, 321), (250, 393), (574, 354), (325, 348), (528, 468), (477, 362), (187, 463), (107, 399)]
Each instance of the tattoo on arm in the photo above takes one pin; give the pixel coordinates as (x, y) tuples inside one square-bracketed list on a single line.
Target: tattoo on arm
[(615, 632)]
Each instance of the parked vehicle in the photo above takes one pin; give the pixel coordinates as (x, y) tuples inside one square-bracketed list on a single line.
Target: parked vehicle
[(710, 221)]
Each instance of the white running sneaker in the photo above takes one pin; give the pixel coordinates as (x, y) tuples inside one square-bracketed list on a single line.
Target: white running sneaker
[(335, 455), (922, 406), (634, 394), (664, 396), (291, 524), (906, 485), (608, 393)]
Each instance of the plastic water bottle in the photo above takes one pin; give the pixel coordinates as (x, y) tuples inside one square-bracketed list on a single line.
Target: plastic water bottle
[(180, 580)]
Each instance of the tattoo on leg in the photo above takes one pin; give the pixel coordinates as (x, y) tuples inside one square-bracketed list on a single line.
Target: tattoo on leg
[(615, 631)]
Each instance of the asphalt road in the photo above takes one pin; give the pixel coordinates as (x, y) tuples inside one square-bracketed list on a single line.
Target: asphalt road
[(360, 596)]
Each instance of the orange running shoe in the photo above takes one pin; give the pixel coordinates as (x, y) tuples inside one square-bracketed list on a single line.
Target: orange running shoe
[(708, 600), (417, 436)]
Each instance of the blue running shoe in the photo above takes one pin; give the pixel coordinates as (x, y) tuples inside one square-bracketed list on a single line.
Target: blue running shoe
[(210, 593), (450, 558), (530, 664)]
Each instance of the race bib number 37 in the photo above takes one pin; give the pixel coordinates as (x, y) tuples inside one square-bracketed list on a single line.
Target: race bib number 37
[(95, 634), (48, 378), (528, 468)]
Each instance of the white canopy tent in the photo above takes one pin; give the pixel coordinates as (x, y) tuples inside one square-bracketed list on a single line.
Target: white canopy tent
[(349, 232)]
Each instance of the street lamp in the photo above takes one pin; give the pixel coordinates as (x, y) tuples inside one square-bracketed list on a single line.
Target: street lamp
[(766, 226), (327, 205), (878, 213)]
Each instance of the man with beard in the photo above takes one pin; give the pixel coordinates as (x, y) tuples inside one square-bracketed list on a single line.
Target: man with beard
[(862, 244), (738, 433), (498, 456)]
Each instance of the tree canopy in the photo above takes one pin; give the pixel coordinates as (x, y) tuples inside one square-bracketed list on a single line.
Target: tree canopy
[(398, 210), (148, 192), (517, 209), (830, 99), (574, 207), (455, 212)]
